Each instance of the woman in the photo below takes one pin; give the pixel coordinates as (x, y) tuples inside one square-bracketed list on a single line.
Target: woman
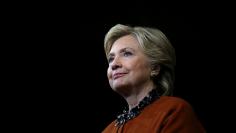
[(141, 69)]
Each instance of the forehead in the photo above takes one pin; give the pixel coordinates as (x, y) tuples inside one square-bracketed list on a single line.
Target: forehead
[(127, 41)]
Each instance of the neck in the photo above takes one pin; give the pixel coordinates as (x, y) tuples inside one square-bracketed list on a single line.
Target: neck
[(134, 111), (138, 94)]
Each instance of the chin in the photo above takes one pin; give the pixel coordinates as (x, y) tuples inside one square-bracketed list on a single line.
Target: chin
[(119, 87)]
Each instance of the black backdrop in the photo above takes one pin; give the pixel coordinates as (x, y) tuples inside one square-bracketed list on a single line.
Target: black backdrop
[(59, 67)]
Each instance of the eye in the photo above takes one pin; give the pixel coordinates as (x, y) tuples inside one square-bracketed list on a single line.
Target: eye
[(127, 53), (110, 59)]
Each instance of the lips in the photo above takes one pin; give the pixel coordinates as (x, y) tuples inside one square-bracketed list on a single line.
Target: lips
[(118, 75)]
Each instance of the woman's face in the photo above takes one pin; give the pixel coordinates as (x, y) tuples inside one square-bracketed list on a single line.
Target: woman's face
[(128, 65)]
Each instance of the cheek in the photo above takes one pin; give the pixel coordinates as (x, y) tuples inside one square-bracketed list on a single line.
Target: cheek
[(143, 69), (109, 73)]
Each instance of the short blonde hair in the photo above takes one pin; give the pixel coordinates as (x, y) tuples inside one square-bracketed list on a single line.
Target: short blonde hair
[(155, 46)]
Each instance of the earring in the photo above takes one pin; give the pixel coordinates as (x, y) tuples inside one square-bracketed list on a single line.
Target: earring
[(153, 74)]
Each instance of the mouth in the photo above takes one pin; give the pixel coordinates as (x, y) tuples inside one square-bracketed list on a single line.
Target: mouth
[(118, 75)]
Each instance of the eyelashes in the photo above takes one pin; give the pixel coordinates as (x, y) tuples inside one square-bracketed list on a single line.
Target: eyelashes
[(110, 59), (126, 54)]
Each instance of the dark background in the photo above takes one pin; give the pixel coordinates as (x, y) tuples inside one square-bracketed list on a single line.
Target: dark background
[(56, 65)]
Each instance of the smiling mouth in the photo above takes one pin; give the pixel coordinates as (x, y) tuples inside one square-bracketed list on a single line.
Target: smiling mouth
[(118, 75)]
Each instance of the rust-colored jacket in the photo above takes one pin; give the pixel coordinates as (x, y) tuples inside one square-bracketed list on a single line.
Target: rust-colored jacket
[(165, 115)]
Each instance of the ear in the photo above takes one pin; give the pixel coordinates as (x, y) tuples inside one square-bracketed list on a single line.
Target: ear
[(155, 71)]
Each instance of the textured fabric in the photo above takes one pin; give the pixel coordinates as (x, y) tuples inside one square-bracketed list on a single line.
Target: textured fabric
[(165, 115)]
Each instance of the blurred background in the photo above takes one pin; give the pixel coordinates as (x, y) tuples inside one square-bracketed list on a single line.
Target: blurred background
[(56, 65)]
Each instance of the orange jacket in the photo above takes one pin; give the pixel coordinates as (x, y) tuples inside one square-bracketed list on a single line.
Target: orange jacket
[(165, 115)]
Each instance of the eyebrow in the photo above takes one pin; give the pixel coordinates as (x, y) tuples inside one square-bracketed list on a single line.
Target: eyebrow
[(127, 48), (120, 51)]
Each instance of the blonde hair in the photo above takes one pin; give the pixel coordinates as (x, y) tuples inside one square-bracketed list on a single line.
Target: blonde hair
[(155, 46)]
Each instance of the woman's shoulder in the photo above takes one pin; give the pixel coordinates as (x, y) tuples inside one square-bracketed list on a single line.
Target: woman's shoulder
[(171, 102)]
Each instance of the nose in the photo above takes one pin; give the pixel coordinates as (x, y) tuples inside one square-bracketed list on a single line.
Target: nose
[(116, 64)]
